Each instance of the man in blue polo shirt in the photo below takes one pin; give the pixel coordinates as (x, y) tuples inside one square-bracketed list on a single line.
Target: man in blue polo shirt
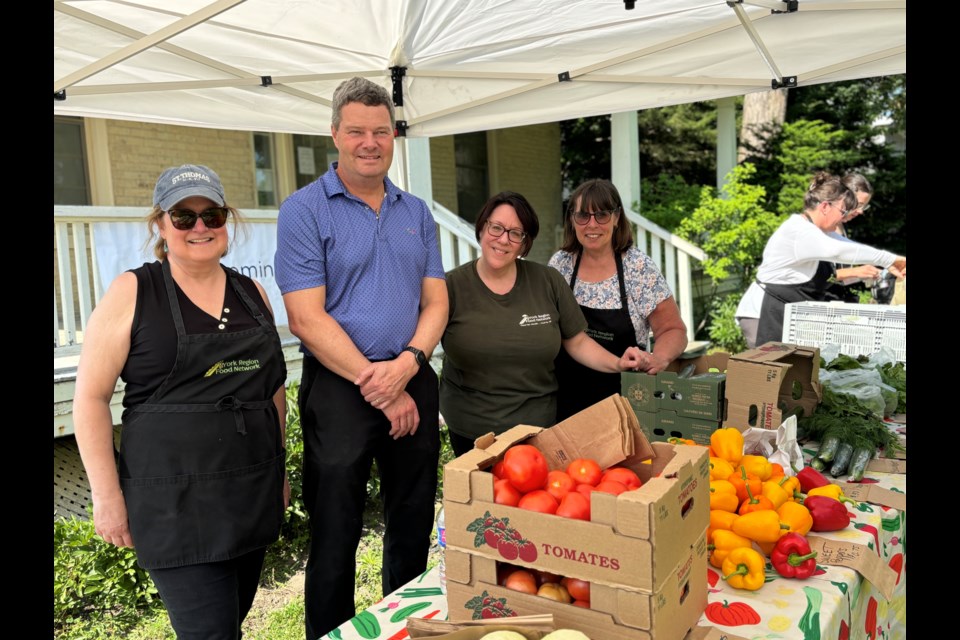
[(363, 284)]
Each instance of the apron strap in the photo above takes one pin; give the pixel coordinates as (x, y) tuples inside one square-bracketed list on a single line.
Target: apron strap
[(228, 403)]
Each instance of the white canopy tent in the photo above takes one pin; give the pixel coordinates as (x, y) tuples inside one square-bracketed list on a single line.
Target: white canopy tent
[(455, 65)]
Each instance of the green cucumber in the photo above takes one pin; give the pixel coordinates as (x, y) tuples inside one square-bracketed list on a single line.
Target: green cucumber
[(366, 625), (842, 460), (400, 614), (858, 463), (818, 464), (828, 448)]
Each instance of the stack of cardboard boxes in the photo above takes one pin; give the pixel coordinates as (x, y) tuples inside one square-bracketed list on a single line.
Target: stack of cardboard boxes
[(758, 388), (687, 400), (644, 552)]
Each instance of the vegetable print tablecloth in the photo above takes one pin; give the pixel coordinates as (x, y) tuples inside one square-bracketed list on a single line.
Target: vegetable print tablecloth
[(836, 603)]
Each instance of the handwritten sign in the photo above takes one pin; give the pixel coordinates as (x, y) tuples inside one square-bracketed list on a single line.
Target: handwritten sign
[(858, 557), (875, 495)]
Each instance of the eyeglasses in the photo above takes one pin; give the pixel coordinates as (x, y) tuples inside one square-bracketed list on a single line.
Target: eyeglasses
[(516, 236), (602, 217), (861, 209), (184, 219), (843, 212)]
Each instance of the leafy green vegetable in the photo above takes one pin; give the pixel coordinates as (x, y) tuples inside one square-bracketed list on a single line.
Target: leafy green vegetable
[(895, 375), (844, 416)]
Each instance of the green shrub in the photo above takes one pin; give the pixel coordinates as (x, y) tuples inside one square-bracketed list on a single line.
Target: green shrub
[(725, 333), (667, 200), (296, 525), (93, 579)]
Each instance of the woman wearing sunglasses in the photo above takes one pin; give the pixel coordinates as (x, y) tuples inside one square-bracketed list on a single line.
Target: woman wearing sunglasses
[(199, 486), (619, 289), (798, 260), (508, 319)]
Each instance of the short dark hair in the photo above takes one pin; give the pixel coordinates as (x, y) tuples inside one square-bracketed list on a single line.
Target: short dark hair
[(827, 188), (526, 214), (360, 90), (596, 195)]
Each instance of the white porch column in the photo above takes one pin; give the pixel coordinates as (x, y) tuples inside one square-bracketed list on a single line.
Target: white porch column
[(625, 157), (419, 177), (726, 138), (398, 169)]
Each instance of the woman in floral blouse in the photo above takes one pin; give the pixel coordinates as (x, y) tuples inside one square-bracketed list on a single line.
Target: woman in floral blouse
[(620, 290)]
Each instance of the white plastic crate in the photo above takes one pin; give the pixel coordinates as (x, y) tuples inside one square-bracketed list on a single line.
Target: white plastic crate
[(857, 329)]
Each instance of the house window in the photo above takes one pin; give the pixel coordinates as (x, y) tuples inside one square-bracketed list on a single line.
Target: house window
[(473, 189), (313, 155), (266, 169), (70, 182)]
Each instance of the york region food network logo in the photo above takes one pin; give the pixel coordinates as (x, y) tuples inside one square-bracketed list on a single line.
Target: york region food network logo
[(232, 366)]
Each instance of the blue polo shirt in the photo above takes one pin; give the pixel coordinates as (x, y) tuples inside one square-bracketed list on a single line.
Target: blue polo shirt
[(373, 268)]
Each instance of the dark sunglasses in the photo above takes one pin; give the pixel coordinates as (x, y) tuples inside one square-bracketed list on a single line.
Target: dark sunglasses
[(583, 217), (184, 219)]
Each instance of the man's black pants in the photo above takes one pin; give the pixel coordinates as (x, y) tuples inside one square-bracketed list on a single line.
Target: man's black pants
[(342, 436)]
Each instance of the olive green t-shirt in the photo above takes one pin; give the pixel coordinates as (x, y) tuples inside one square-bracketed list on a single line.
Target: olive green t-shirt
[(499, 349)]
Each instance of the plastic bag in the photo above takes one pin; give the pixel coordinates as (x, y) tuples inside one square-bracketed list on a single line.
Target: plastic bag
[(863, 384), (778, 445)]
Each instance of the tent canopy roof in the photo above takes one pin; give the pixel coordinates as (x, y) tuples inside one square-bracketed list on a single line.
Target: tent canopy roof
[(272, 65)]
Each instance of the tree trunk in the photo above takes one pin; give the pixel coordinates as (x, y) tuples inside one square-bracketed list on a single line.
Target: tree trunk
[(760, 110)]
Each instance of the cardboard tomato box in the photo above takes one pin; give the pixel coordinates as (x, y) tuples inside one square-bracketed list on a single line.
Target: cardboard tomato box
[(663, 425), (687, 388), (766, 384), (634, 541), (614, 613)]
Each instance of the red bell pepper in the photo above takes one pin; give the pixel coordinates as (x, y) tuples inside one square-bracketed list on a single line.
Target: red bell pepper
[(810, 478), (792, 558), (828, 514)]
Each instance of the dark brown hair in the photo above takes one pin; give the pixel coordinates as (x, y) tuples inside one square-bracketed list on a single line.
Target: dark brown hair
[(526, 214), (597, 195), (827, 188)]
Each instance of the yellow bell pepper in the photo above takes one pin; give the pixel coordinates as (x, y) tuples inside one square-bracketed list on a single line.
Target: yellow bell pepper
[(774, 493), (791, 484), (720, 469), (743, 568), (727, 443), (834, 491), (758, 466), (723, 543), (723, 496), (760, 526), (797, 516), (720, 520)]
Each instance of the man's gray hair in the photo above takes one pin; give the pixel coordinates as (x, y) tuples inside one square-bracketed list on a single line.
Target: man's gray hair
[(360, 90)]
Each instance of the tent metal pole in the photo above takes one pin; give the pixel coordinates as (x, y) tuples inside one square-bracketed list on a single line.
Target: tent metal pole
[(144, 43)]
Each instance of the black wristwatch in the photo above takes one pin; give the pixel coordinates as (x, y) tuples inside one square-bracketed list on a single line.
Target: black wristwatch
[(421, 359)]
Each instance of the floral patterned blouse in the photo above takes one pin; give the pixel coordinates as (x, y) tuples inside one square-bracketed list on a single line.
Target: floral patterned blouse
[(646, 288)]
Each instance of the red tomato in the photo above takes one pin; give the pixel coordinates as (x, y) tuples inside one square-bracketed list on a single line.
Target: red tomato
[(574, 505), (624, 476), (581, 603), (559, 484), (585, 471), (611, 486), (521, 580), (538, 500), (497, 471), (585, 490), (505, 493), (525, 467), (579, 589)]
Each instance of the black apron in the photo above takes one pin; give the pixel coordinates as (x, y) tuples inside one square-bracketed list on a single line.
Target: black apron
[(580, 386), (776, 296), (202, 461)]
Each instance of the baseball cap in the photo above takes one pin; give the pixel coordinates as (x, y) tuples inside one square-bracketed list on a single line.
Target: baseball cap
[(177, 183)]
